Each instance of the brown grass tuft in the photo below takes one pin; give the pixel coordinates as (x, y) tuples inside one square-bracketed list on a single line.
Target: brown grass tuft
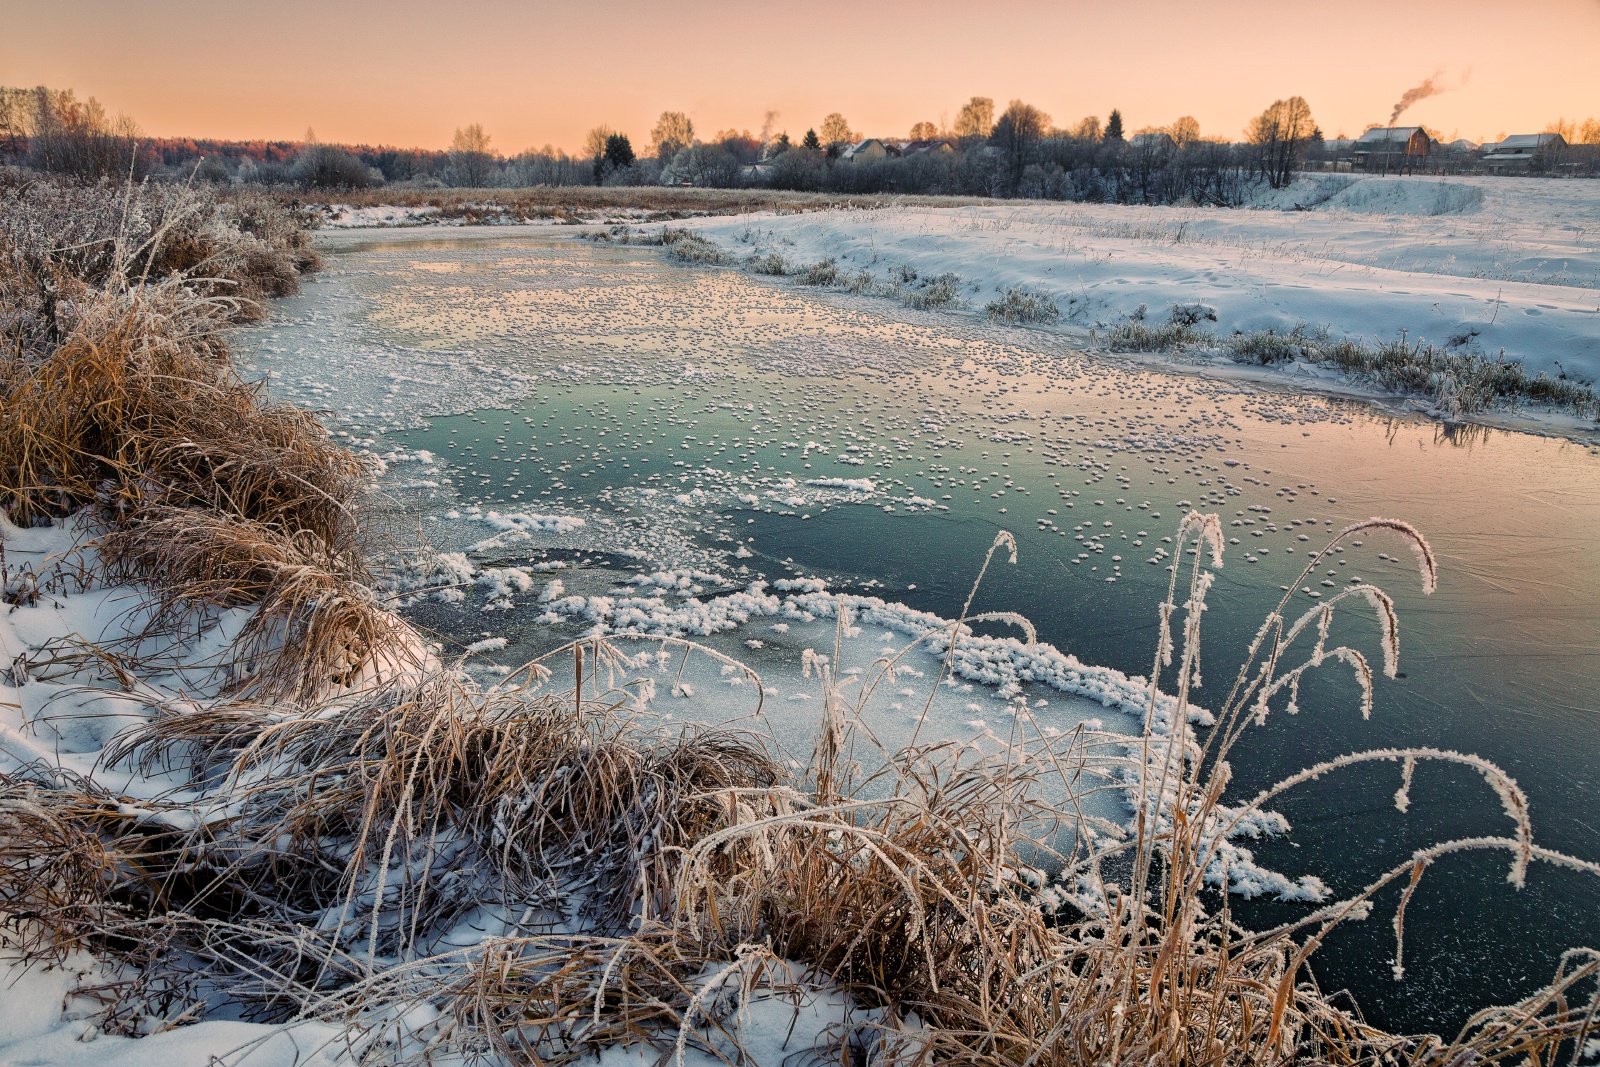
[(117, 393)]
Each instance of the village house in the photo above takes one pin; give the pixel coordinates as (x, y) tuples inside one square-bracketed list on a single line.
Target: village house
[(1516, 153), (1154, 139), (931, 147), (869, 151), (1390, 148)]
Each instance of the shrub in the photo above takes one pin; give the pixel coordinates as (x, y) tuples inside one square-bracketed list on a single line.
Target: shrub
[(1192, 314), (1022, 304), (1268, 346), (942, 291), (331, 167), (704, 166), (823, 273), (686, 246), (771, 263), (235, 249)]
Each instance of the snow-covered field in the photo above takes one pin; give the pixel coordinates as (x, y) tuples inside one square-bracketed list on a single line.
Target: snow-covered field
[(1476, 264)]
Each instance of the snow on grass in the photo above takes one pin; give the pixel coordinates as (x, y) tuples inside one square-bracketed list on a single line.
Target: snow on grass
[(46, 1020), (345, 217), (1474, 264)]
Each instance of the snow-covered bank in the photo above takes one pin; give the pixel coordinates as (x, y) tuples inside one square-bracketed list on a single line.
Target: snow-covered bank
[(1472, 264), (62, 702)]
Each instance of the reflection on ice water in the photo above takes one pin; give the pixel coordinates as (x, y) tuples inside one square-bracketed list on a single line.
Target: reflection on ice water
[(596, 441)]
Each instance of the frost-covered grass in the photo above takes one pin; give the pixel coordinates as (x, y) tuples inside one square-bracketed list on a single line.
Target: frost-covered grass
[(236, 249), (687, 246), (824, 272), (1020, 304), (770, 263), (545, 868), (1460, 382), (122, 399), (925, 293), (902, 283)]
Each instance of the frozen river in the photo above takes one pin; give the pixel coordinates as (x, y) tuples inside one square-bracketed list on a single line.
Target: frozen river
[(613, 441)]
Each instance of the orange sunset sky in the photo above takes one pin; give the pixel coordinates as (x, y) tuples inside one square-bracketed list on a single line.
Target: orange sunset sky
[(541, 72)]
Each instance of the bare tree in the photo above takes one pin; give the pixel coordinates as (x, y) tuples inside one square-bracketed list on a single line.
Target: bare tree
[(836, 130), (71, 136), (1279, 135), (924, 131), (16, 108), (1565, 128), (1087, 129), (976, 118), (1185, 131), (594, 145), (705, 165), (673, 133), (471, 156), (1018, 131)]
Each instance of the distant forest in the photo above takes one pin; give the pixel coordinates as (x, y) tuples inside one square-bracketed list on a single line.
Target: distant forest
[(1015, 152)]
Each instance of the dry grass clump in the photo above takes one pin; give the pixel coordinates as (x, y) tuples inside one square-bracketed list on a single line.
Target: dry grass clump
[(827, 273), (1020, 304), (686, 246), (648, 882), (1163, 337), (117, 393), (339, 843), (824, 272), (771, 263), (138, 405), (242, 248), (1462, 383), (925, 293), (315, 624)]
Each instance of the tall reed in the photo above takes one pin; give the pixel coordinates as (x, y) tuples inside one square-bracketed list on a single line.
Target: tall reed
[(332, 849)]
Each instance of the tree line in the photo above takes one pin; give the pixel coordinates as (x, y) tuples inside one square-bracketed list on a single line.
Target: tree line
[(1015, 152)]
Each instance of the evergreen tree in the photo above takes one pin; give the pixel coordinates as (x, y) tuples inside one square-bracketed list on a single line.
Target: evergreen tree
[(619, 151), (811, 140), (781, 145), (1114, 126)]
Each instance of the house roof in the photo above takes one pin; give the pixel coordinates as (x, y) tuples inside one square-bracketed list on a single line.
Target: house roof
[(932, 144), (1527, 142), (1387, 134)]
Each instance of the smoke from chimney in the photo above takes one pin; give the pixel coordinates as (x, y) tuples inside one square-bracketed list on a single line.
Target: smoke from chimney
[(1429, 87)]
